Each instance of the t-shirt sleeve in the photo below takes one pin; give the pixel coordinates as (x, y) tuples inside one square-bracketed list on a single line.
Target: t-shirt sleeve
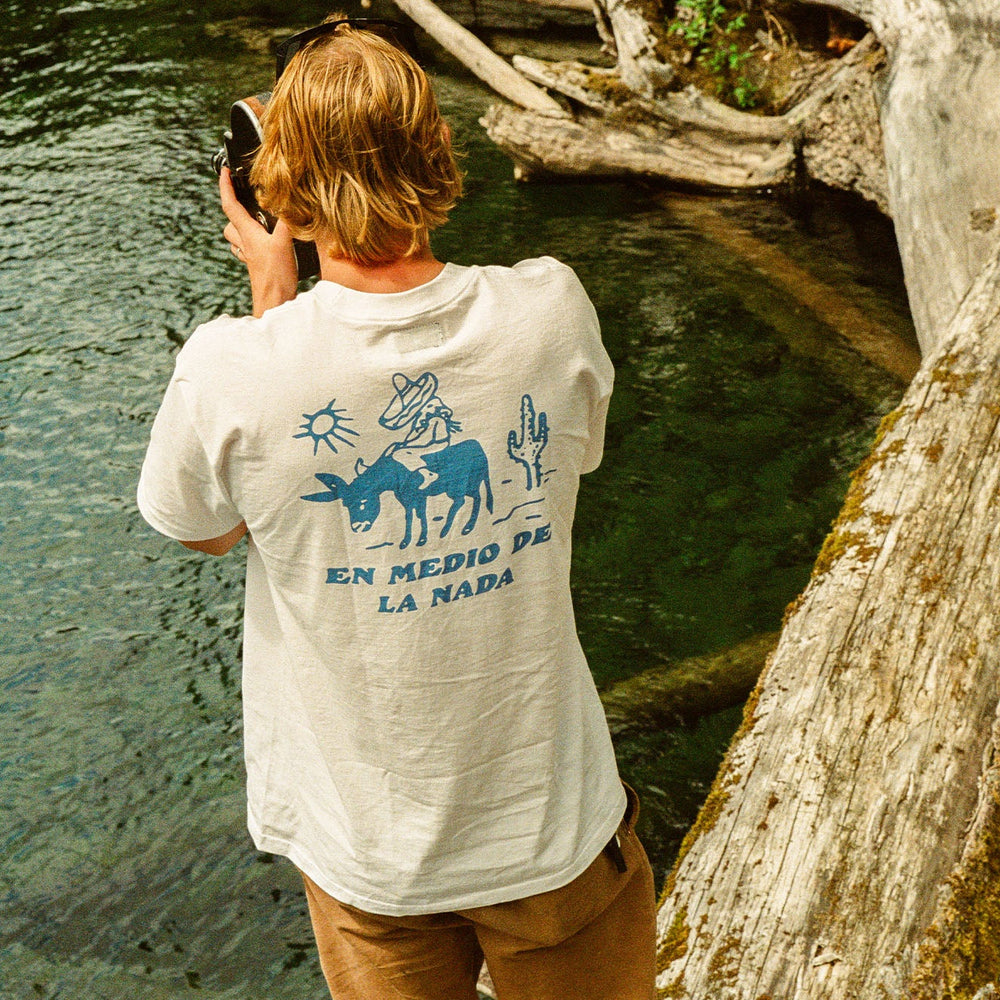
[(595, 442), (599, 377), (181, 493)]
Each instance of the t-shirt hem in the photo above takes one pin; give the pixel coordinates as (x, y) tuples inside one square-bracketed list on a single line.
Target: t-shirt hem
[(603, 832)]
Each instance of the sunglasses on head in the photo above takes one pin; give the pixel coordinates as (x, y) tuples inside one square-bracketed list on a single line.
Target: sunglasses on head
[(399, 34)]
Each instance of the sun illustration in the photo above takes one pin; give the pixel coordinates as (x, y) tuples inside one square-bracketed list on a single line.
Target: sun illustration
[(326, 425)]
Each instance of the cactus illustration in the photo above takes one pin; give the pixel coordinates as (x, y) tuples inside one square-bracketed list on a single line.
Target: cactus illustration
[(534, 437)]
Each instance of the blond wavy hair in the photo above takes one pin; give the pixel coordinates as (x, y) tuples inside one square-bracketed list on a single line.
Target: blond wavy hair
[(355, 153)]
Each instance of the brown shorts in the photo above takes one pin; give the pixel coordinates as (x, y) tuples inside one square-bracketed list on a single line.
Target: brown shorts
[(594, 939)]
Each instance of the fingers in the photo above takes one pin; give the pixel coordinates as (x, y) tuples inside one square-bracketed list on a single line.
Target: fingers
[(234, 211), (239, 218), (268, 256), (233, 238), (243, 227), (243, 231)]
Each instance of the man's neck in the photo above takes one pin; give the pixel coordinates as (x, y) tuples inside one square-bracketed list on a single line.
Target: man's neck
[(395, 276)]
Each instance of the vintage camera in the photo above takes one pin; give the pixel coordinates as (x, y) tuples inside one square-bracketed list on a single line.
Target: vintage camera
[(240, 143)]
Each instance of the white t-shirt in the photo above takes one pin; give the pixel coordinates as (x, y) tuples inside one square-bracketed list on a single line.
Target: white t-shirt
[(421, 729)]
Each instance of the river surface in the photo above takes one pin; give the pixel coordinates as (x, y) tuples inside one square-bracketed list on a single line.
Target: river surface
[(127, 871)]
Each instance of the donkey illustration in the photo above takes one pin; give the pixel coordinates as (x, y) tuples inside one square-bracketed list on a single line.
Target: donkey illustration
[(462, 470)]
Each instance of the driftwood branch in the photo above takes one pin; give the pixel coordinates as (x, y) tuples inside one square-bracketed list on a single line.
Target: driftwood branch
[(634, 30), (479, 58), (691, 138)]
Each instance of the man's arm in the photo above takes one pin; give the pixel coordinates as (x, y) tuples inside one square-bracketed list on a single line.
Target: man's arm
[(222, 544), (270, 262), (269, 257)]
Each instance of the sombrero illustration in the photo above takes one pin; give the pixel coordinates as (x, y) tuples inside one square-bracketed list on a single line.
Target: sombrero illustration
[(411, 396)]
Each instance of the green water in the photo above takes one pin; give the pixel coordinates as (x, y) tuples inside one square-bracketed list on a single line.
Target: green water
[(127, 869)]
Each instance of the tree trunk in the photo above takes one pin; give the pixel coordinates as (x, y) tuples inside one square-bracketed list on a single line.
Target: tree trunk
[(683, 691), (850, 846), (941, 121)]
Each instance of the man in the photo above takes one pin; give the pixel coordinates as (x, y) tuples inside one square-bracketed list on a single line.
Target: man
[(423, 738)]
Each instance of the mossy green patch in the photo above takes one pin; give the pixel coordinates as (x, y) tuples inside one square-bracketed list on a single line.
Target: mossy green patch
[(952, 381), (720, 793), (961, 951), (608, 86), (673, 990), (723, 966), (675, 942), (863, 543)]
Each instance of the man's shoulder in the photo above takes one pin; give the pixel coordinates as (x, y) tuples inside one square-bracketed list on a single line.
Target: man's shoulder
[(533, 269), (543, 276), (228, 340), (216, 334)]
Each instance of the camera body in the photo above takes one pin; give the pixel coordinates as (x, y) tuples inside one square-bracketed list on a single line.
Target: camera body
[(240, 143)]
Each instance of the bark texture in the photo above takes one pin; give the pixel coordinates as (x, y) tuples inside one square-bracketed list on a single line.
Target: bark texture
[(847, 847), (634, 26), (941, 121)]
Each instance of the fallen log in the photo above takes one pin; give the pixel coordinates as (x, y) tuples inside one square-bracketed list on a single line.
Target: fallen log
[(867, 334), (941, 125), (595, 147), (562, 4), (690, 138), (860, 791), (679, 692)]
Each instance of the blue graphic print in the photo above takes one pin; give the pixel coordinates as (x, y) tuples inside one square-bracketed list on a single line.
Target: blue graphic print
[(422, 464), (460, 472), (527, 449), (326, 425), (429, 423)]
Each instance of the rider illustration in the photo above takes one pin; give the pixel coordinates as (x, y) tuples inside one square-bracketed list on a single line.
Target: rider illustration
[(417, 406)]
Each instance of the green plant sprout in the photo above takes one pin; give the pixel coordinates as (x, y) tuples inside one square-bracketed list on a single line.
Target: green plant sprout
[(707, 30)]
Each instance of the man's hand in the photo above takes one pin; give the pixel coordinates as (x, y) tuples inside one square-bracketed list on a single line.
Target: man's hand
[(269, 257)]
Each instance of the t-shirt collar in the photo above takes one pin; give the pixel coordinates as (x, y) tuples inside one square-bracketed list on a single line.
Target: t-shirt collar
[(433, 294)]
